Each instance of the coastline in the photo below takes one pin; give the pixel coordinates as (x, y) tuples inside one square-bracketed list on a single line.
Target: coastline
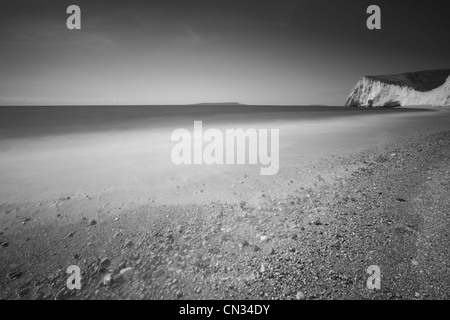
[(317, 240)]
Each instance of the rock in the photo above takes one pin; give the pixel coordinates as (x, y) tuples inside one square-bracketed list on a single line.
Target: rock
[(272, 251), (286, 291), (107, 279), (93, 222), (300, 296), (256, 248), (5, 244), (179, 294), (406, 89), (105, 262), (263, 268), (401, 200), (264, 238), (129, 244), (126, 270)]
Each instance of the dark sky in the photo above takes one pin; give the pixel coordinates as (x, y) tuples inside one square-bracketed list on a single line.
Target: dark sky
[(188, 51)]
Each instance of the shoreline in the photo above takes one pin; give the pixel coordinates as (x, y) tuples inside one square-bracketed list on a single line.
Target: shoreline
[(321, 238)]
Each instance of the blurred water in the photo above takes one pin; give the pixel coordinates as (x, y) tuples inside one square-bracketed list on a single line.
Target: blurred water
[(46, 152)]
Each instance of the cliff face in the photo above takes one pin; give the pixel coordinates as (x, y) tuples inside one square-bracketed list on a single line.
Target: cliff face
[(407, 89)]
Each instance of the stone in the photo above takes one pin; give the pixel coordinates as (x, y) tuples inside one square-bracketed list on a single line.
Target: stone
[(125, 270), (286, 291), (129, 244), (263, 268), (300, 296), (105, 262), (107, 279)]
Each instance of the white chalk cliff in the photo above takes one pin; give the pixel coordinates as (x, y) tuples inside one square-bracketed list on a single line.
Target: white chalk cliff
[(421, 88)]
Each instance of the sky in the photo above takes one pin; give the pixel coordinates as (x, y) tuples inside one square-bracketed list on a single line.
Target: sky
[(270, 52)]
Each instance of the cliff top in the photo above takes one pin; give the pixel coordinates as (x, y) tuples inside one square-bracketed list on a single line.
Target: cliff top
[(419, 81)]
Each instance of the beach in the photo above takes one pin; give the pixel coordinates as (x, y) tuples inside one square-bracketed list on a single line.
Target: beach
[(95, 187)]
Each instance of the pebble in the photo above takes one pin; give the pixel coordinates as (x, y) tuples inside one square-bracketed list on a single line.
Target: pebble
[(129, 244), (286, 291), (263, 268), (300, 296), (105, 262), (125, 270), (108, 279)]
